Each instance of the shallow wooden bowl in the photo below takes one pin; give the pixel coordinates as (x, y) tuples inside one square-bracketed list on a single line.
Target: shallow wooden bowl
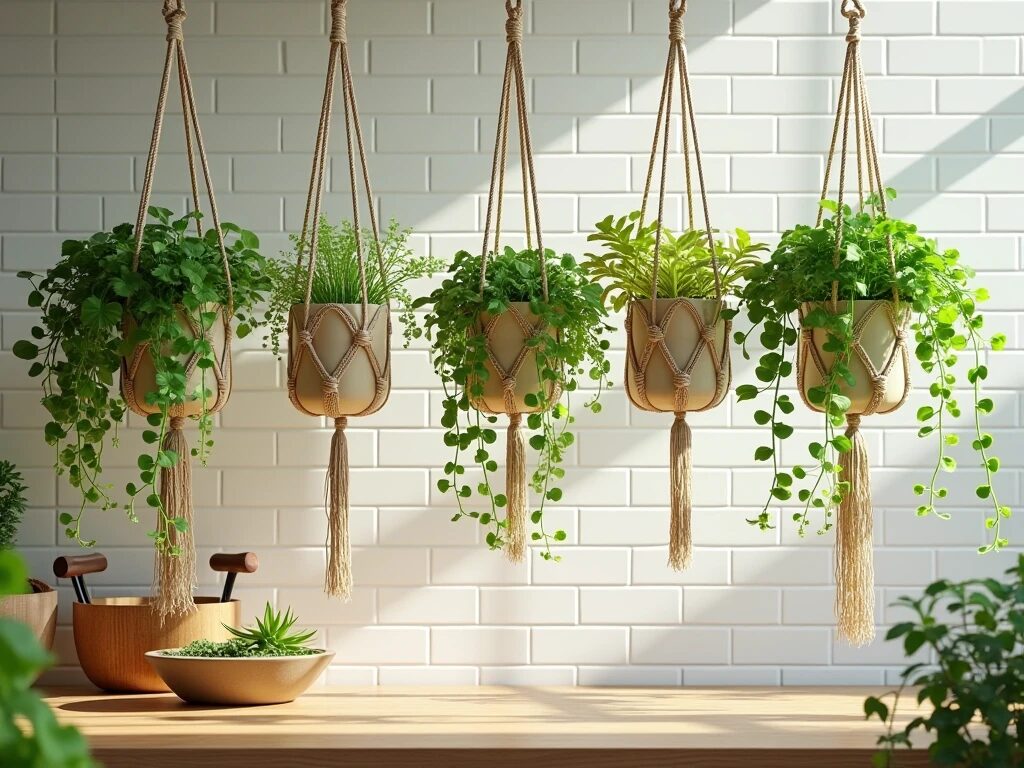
[(239, 682), (113, 634)]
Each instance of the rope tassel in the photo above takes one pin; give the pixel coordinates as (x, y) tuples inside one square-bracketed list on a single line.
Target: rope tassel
[(680, 548), (855, 573), (175, 575), (339, 546), (515, 490)]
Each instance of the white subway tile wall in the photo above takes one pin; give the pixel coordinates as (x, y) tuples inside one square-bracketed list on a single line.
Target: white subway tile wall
[(78, 81)]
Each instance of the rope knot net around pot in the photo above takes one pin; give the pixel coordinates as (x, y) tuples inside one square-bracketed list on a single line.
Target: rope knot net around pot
[(339, 355), (878, 359)]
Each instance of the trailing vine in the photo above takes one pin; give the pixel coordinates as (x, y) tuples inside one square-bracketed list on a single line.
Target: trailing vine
[(569, 346), (934, 288), (85, 301)]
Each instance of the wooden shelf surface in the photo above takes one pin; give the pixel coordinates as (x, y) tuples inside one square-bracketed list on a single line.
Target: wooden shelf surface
[(383, 727)]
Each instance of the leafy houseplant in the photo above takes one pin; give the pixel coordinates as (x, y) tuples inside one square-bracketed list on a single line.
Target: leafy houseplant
[(565, 343), (12, 503), (86, 301), (975, 683), (626, 268), (931, 284), (30, 735), (336, 276)]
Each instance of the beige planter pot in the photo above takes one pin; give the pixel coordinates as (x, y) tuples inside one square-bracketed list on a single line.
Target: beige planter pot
[(38, 610), (880, 361), (678, 361), (511, 361), (138, 374), (113, 635), (335, 369), (239, 682)]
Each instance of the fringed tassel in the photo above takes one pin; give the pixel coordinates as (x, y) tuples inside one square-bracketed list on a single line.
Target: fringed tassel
[(515, 491), (339, 547), (175, 567), (680, 547), (855, 573)]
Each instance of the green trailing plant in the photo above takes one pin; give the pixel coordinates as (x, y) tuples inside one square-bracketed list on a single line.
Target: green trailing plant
[(336, 275), (12, 503), (626, 267), (77, 348), (569, 346), (272, 636), (974, 683), (948, 331), (30, 735)]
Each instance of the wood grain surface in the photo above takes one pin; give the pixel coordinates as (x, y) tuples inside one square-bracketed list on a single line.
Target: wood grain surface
[(496, 727)]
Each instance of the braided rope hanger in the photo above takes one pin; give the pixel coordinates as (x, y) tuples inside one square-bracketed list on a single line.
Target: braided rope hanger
[(854, 568), (174, 576)]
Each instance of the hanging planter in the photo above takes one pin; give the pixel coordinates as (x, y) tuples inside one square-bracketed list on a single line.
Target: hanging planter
[(858, 283), (678, 322), (156, 304), (513, 332)]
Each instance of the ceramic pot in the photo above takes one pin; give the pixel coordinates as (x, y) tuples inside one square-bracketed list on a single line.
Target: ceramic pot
[(113, 634), (334, 369), (239, 682), (686, 335), (38, 609), (879, 353), (509, 357), (138, 373)]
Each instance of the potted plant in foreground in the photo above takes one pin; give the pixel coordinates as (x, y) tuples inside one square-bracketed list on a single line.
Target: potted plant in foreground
[(162, 321), (265, 664), (973, 682), (35, 603)]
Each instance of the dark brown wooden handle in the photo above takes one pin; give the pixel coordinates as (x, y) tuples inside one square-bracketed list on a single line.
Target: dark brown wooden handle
[(79, 565), (242, 562)]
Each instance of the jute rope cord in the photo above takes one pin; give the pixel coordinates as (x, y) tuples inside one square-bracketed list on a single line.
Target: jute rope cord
[(175, 577), (854, 569), (338, 579), (513, 90), (681, 450)]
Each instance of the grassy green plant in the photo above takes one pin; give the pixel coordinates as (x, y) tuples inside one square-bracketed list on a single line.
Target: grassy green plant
[(974, 680), (947, 327), (30, 735), (336, 275), (12, 503), (626, 267), (77, 348), (272, 636), (575, 311)]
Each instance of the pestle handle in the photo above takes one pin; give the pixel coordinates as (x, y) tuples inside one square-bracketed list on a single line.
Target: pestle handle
[(71, 566), (242, 562)]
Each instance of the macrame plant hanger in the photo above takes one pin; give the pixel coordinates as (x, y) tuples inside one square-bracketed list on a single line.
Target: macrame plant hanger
[(514, 84), (854, 568), (680, 446), (175, 575), (338, 579)]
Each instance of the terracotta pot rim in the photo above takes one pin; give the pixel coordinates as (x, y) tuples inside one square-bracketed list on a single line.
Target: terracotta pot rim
[(356, 304), (162, 654)]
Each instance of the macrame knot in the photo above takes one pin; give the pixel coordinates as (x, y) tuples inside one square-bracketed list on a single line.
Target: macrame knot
[(362, 339), (339, 21), (901, 335), (853, 421), (853, 36), (676, 30), (681, 380), (708, 334), (514, 420), (340, 422), (878, 381), (175, 17), (177, 423), (509, 385), (306, 338), (329, 386), (655, 335), (514, 24)]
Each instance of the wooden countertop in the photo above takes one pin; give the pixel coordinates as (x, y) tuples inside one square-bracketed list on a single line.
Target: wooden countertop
[(384, 727)]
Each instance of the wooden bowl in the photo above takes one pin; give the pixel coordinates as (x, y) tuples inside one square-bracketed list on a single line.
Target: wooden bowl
[(248, 681), (38, 609), (113, 634)]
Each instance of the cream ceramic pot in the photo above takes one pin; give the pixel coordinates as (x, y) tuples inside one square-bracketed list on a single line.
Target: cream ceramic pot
[(138, 373), (695, 337), (358, 363), (509, 357), (879, 353)]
